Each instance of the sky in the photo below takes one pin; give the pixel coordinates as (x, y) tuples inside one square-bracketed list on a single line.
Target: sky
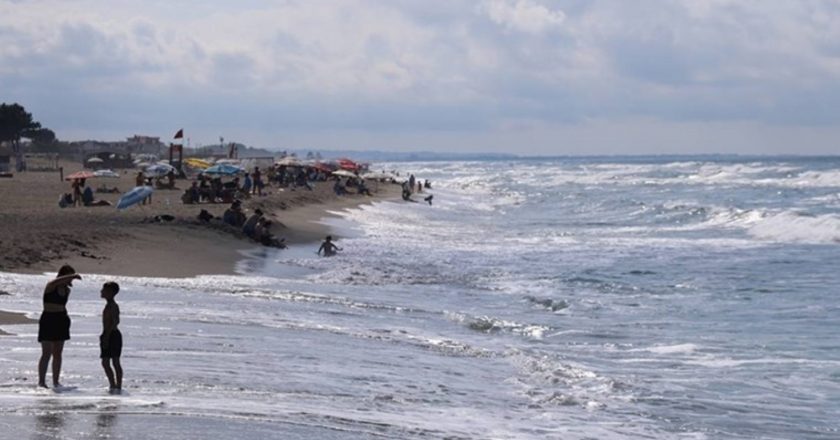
[(529, 77)]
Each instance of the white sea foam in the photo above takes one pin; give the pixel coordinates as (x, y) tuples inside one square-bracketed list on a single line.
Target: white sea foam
[(793, 226)]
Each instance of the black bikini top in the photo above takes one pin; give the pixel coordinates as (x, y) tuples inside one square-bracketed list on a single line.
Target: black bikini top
[(54, 298)]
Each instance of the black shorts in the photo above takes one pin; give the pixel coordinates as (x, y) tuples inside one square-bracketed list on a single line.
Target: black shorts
[(53, 326), (114, 345)]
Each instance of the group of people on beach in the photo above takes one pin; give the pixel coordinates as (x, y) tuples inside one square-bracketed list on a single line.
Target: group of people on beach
[(81, 195), (54, 330)]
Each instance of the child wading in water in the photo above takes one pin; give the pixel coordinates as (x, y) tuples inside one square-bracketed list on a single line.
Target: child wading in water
[(110, 343), (328, 247)]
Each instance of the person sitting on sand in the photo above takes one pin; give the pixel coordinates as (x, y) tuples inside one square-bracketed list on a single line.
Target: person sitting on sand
[(65, 200), (249, 228), (110, 342), (87, 196), (193, 194), (234, 215), (54, 324), (205, 216), (263, 234), (328, 247), (338, 188)]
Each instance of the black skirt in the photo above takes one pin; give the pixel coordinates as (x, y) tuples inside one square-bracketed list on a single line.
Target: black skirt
[(53, 326)]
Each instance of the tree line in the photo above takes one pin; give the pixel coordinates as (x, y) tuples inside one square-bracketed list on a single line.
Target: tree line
[(16, 124)]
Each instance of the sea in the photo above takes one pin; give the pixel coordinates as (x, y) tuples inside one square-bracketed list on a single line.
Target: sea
[(663, 297)]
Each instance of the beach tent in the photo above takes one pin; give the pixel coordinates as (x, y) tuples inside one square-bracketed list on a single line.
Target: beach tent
[(223, 169), (134, 196), (80, 175)]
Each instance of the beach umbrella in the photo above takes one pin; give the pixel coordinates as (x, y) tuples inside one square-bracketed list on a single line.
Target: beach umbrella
[(95, 159), (288, 161), (159, 169), (134, 196), (320, 166), (80, 175), (197, 163), (223, 169), (347, 164), (229, 161), (344, 173), (106, 173)]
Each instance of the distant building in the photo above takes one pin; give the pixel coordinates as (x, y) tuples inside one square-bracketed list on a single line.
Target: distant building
[(137, 144), (145, 144)]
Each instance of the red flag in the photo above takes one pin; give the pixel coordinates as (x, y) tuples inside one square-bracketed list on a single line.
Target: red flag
[(179, 134)]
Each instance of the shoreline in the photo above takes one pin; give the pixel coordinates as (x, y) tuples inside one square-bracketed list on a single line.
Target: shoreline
[(100, 240), (40, 236)]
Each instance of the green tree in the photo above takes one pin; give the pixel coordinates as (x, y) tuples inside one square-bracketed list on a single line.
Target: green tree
[(15, 122), (43, 140)]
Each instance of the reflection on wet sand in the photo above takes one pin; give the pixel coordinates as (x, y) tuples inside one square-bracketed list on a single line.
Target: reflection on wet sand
[(49, 424), (105, 422)]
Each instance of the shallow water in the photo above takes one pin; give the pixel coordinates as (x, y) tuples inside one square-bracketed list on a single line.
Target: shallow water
[(608, 298)]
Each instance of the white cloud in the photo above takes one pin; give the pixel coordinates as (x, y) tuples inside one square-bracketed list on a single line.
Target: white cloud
[(423, 67), (523, 15)]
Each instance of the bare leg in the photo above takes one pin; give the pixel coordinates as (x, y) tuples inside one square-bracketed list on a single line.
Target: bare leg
[(119, 371), (106, 365), (57, 349), (46, 353)]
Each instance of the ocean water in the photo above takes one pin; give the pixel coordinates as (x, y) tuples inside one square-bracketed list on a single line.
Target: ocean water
[(579, 298)]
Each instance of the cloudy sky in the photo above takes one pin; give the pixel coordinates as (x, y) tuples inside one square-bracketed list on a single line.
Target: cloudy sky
[(520, 76)]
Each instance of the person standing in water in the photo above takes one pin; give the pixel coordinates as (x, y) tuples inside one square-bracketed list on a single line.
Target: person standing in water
[(54, 324), (328, 247), (110, 342)]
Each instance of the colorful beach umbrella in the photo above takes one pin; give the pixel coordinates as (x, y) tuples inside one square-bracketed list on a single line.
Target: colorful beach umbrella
[(197, 163), (81, 175), (134, 196)]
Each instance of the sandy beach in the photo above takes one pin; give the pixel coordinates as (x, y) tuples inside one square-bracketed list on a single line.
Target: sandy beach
[(39, 236)]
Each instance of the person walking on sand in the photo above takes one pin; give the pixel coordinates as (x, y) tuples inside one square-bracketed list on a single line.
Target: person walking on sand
[(54, 324), (110, 342), (258, 185), (328, 247)]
